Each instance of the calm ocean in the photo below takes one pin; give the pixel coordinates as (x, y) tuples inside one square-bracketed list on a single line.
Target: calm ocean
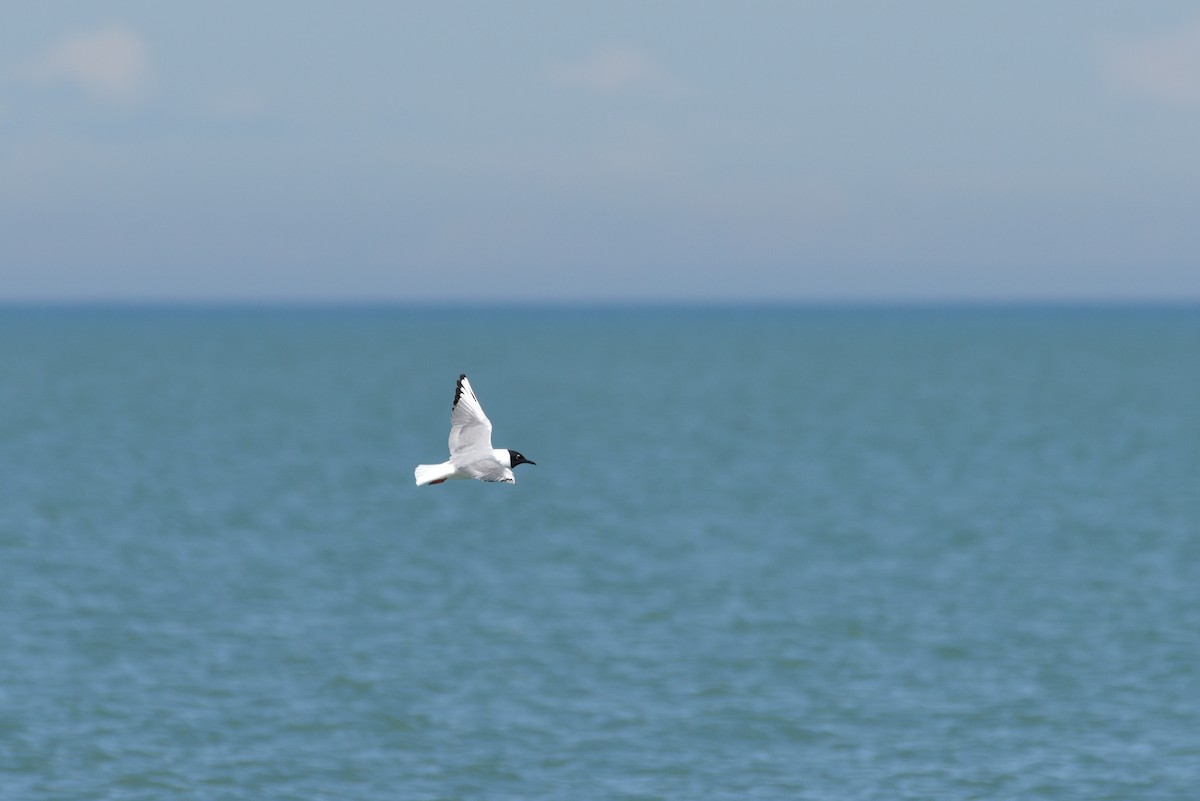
[(772, 554)]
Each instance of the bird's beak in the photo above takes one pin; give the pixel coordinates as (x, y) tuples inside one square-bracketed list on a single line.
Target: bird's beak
[(529, 462)]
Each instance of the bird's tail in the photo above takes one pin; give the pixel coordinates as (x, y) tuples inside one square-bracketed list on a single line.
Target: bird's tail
[(432, 473)]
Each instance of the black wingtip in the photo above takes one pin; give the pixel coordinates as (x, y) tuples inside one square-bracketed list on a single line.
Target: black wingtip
[(458, 389)]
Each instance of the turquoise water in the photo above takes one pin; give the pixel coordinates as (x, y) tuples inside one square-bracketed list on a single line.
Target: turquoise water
[(858, 554)]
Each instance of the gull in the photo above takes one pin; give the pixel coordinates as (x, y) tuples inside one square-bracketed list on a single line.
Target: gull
[(471, 451)]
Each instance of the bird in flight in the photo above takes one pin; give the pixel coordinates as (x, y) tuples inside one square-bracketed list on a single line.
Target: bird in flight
[(471, 451)]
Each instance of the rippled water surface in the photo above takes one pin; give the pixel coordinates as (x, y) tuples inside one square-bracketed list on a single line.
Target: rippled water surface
[(763, 555)]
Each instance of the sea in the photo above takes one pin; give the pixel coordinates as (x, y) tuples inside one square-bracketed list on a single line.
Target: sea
[(815, 553)]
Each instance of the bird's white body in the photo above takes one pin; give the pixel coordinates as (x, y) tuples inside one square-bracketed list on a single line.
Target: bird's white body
[(471, 451), (447, 471)]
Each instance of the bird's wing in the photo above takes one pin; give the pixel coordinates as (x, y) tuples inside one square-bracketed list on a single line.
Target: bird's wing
[(470, 430), (488, 469)]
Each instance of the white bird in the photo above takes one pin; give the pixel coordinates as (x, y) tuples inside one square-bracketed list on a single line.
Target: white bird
[(471, 451)]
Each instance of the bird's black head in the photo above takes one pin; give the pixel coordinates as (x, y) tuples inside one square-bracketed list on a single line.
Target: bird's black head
[(515, 458)]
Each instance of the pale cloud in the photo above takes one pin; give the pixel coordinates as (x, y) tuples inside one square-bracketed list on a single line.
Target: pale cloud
[(615, 69), (1165, 66), (111, 65)]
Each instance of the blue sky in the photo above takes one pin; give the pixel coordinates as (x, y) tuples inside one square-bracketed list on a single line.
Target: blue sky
[(762, 151)]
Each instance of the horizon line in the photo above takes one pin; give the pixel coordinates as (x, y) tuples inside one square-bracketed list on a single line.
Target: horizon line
[(599, 304)]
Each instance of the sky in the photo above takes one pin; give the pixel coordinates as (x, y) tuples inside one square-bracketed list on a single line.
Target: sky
[(591, 152)]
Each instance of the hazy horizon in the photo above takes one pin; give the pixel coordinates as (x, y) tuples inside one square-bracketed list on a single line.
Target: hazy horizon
[(609, 153)]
